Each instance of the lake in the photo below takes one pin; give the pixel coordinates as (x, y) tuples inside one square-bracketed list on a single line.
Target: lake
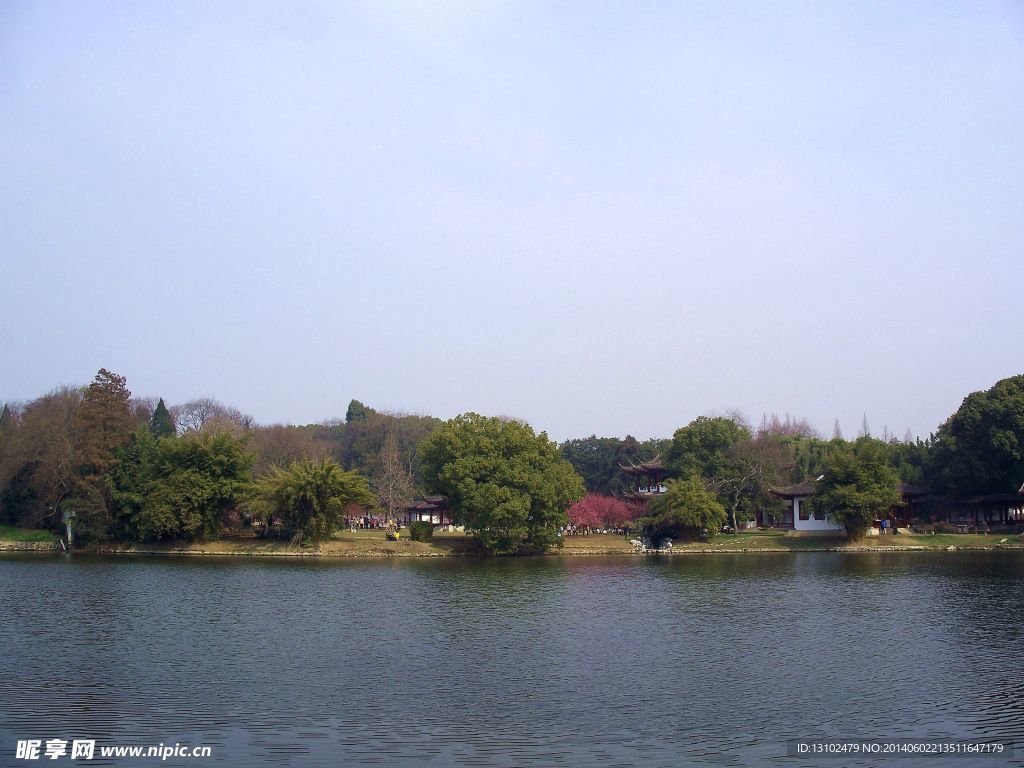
[(714, 660)]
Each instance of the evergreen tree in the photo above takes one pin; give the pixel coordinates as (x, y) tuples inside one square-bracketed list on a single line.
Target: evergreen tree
[(859, 486), (161, 424), (689, 510), (358, 412), (179, 489), (701, 446), (509, 486), (102, 426), (310, 497), (980, 448), (131, 482)]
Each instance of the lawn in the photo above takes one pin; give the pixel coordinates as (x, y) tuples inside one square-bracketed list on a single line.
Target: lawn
[(372, 543), (10, 533), (345, 543), (790, 541)]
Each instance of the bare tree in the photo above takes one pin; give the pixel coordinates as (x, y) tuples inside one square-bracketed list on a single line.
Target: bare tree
[(750, 468), (193, 415), (40, 454), (142, 408), (206, 414), (394, 479), (737, 417), (279, 445), (792, 426)]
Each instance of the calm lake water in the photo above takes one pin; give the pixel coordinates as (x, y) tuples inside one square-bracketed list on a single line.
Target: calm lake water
[(706, 660)]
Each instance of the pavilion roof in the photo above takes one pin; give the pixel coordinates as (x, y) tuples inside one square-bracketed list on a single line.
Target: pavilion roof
[(643, 467), (909, 490), (428, 503), (1009, 498), (805, 488)]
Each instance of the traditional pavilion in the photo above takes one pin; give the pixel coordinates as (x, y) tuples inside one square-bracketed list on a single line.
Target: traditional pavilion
[(429, 509), (648, 476), (987, 510), (799, 516)]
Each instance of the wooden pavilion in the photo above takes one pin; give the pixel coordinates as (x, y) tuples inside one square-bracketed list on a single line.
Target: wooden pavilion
[(429, 509), (649, 477)]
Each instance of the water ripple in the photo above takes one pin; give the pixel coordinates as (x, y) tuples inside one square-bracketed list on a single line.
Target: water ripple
[(576, 662)]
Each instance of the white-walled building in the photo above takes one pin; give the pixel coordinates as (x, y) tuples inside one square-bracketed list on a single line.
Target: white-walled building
[(799, 515)]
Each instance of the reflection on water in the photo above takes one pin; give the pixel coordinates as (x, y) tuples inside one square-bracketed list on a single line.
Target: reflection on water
[(714, 660)]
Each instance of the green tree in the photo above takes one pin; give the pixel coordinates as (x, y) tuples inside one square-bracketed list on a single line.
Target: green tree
[(358, 412), (161, 424), (179, 488), (309, 497), (131, 483), (980, 448), (595, 460), (687, 510), (810, 454), (859, 486), (509, 486), (701, 446), (598, 460)]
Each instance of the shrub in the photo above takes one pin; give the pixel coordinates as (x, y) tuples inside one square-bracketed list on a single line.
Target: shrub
[(421, 530), (687, 511), (943, 527)]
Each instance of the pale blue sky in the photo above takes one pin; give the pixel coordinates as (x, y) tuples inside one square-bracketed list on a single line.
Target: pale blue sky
[(598, 217)]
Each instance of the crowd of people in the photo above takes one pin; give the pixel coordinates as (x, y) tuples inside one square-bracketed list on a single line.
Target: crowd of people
[(583, 530), (368, 522)]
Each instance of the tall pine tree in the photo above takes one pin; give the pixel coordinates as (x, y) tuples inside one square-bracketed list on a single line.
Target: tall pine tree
[(161, 424), (102, 427)]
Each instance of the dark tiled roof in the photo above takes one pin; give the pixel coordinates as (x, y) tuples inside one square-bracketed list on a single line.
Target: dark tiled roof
[(429, 503), (997, 497), (912, 490), (805, 488), (643, 467)]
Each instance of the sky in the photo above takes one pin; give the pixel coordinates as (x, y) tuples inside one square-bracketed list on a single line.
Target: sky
[(597, 217)]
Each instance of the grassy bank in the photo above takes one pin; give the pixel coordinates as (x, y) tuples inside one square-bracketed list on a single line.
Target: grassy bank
[(8, 533), (373, 544), (360, 543), (790, 541)]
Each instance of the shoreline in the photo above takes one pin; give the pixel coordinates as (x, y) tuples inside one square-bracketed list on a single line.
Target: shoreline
[(397, 550)]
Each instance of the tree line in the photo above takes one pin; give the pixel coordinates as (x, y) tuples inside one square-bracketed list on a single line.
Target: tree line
[(132, 469), (722, 471), (128, 469)]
